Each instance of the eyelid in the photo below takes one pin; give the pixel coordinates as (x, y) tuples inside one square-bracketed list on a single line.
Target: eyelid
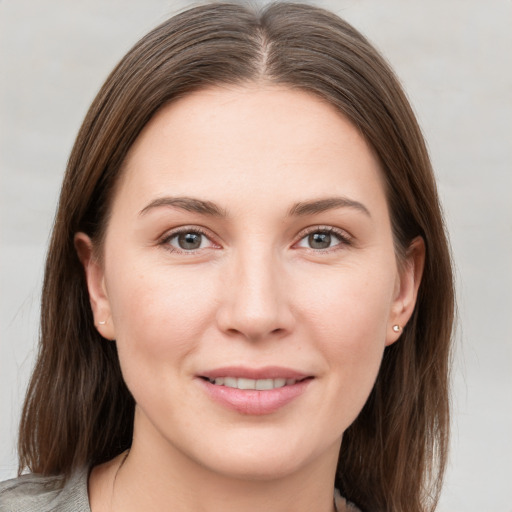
[(168, 235), (345, 238)]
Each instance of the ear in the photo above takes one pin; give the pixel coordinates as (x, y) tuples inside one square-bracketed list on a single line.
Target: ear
[(406, 289), (95, 279)]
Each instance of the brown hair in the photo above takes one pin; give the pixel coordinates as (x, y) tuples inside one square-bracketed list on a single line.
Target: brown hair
[(78, 410)]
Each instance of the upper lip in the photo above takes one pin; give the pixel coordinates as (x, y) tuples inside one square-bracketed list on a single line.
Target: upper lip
[(267, 372)]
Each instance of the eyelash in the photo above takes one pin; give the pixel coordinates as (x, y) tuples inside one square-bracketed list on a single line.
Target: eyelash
[(344, 239), (165, 240)]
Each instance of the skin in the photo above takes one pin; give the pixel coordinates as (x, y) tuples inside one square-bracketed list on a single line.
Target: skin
[(254, 294)]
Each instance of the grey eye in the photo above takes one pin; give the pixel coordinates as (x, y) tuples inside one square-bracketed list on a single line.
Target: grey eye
[(323, 239), (319, 240), (189, 241)]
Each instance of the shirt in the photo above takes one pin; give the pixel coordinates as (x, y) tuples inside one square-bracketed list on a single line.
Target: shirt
[(36, 493)]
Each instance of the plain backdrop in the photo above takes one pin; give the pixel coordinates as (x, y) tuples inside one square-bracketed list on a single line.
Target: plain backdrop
[(454, 59)]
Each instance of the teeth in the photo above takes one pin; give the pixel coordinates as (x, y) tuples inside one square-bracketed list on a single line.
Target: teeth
[(262, 384), (246, 384), (230, 382), (279, 383), (258, 384)]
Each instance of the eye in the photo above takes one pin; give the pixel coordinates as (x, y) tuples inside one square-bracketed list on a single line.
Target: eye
[(187, 240), (322, 239)]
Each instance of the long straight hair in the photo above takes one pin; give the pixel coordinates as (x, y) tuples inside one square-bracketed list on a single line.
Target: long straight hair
[(78, 410)]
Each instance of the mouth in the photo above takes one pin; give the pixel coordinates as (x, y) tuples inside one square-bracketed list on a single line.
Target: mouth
[(256, 384), (254, 391)]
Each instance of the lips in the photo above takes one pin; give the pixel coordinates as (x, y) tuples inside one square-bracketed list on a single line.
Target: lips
[(254, 391)]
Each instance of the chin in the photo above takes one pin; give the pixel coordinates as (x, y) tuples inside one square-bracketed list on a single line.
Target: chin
[(262, 459), (259, 468)]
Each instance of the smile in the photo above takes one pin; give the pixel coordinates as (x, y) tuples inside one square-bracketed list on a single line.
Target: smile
[(257, 384), (254, 391)]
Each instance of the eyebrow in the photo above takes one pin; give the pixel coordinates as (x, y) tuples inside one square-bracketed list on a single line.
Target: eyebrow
[(188, 204), (300, 209), (329, 203)]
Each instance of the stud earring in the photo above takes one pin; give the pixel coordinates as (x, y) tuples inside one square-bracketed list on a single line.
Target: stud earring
[(397, 328), (102, 322)]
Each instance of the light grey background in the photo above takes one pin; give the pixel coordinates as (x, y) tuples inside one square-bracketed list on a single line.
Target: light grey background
[(454, 58)]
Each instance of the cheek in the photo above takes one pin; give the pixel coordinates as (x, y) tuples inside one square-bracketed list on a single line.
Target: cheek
[(159, 315), (348, 318), (351, 305)]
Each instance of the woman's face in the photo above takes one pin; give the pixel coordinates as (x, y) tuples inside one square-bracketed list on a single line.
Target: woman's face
[(249, 246)]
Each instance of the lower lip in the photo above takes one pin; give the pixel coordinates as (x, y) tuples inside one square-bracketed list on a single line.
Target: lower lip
[(254, 402)]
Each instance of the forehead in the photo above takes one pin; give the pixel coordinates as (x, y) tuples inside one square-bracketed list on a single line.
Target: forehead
[(243, 142)]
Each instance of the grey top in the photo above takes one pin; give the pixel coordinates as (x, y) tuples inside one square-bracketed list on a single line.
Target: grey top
[(35, 493)]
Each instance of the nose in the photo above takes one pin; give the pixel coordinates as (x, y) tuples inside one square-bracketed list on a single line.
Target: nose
[(255, 301)]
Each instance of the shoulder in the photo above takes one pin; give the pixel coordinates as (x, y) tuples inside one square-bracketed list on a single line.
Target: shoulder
[(31, 493)]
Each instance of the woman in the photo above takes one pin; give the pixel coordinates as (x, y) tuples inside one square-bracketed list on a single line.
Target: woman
[(248, 295)]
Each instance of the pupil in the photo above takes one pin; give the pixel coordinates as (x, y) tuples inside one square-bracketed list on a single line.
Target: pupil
[(189, 241), (319, 240)]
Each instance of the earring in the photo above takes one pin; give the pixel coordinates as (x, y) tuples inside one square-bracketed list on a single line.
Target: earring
[(102, 322), (396, 328)]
